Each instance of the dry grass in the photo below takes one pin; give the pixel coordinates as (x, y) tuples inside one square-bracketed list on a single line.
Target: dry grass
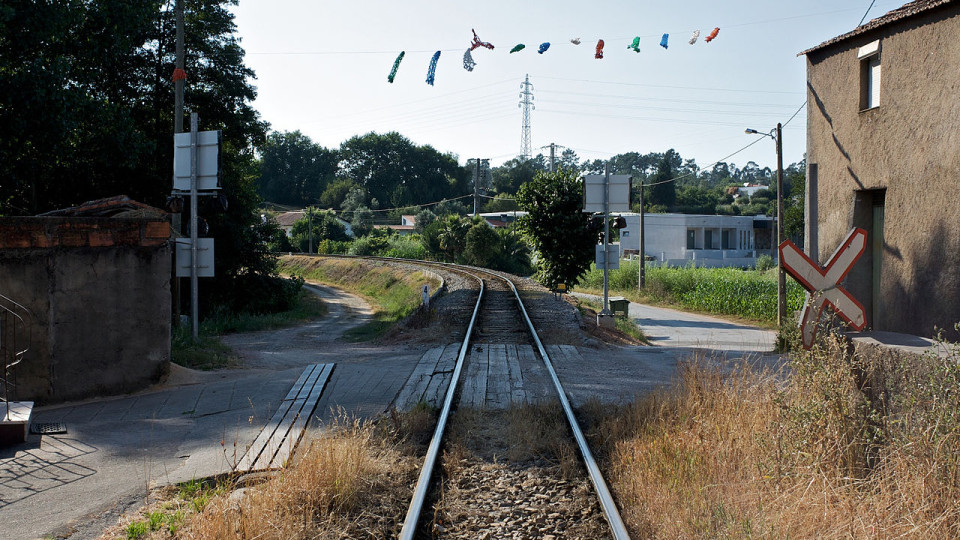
[(352, 482), (849, 445)]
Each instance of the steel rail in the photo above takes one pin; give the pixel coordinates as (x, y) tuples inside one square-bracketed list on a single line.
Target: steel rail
[(423, 483), (607, 503)]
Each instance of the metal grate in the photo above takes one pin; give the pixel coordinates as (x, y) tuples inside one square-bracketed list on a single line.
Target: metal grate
[(48, 428)]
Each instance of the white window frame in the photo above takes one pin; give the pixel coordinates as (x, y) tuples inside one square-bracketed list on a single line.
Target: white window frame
[(870, 75)]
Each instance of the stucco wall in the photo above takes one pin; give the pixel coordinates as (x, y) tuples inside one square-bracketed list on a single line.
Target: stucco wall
[(909, 146), (98, 290)]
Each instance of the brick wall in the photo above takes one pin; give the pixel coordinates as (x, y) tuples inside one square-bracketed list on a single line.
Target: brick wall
[(98, 290)]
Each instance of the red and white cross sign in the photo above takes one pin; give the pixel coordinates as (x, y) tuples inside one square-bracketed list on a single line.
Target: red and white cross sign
[(824, 283)]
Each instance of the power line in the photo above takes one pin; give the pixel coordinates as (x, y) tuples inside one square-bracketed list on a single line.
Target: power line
[(865, 14)]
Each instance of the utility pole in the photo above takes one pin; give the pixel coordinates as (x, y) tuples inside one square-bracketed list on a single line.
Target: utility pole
[(606, 236), (310, 229), (643, 257), (176, 218), (178, 83), (781, 276), (526, 104), (553, 157), (194, 252), (476, 188)]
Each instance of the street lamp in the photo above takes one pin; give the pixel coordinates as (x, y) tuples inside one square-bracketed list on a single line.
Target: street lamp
[(777, 136)]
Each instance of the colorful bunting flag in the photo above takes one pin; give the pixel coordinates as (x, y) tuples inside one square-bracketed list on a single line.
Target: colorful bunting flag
[(543, 47), (178, 75), (712, 35), (693, 39), (396, 65), (517, 48), (468, 62), (599, 53), (477, 43), (432, 70), (635, 45), (575, 41), (663, 40)]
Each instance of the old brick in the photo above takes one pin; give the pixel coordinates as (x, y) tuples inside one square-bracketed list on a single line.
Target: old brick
[(156, 229)]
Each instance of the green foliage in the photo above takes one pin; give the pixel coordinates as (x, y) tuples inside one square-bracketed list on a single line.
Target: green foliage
[(294, 170), (501, 203), (516, 172), (336, 192), (481, 245), (391, 168), (332, 247), (729, 291), (137, 529), (764, 263), (445, 208), (424, 218), (361, 221), (556, 227), (326, 226)]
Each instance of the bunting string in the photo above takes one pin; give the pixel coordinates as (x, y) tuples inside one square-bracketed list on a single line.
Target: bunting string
[(469, 63)]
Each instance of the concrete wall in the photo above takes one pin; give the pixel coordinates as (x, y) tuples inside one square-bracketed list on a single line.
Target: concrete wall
[(903, 153), (99, 293)]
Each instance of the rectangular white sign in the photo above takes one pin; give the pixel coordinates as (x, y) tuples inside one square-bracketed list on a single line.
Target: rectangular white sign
[(204, 257), (208, 160), (619, 193), (613, 257)]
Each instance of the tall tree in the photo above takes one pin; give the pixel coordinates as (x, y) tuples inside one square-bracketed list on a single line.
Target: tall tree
[(556, 227), (294, 170)]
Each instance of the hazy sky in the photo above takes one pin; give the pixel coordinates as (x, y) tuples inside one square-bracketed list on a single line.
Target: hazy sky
[(322, 69)]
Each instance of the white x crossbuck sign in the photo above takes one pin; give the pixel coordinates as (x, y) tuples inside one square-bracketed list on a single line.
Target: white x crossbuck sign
[(824, 283)]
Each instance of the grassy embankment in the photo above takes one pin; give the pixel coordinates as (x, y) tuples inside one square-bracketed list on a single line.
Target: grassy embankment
[(393, 293), (863, 445), (746, 294)]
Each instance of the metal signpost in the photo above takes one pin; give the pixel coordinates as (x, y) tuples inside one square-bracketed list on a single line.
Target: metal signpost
[(823, 284), (606, 193), (196, 168)]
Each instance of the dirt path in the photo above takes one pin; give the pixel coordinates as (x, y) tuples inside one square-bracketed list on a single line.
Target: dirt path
[(300, 345)]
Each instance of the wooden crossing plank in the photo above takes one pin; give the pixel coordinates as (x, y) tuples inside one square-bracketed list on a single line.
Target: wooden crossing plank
[(416, 386), (253, 453), (518, 394), (537, 380), (299, 421), (498, 383), (442, 375), (286, 426), (475, 384)]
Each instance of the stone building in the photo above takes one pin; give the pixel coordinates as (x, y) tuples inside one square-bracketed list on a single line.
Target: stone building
[(883, 154)]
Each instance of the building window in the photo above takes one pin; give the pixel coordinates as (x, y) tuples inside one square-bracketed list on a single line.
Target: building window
[(691, 239), (708, 239), (869, 56)]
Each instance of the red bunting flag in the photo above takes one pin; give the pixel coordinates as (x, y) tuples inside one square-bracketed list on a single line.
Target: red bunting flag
[(712, 35), (599, 54)]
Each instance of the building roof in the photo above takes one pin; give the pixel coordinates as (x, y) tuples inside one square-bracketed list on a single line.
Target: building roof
[(118, 206), (905, 11), (287, 219)]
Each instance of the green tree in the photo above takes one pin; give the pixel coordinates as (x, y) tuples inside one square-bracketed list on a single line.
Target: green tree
[(326, 226), (361, 221), (501, 203), (663, 192), (481, 245), (556, 227), (424, 219), (294, 170), (335, 192), (393, 169)]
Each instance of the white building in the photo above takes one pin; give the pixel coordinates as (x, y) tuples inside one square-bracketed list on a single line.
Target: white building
[(682, 239)]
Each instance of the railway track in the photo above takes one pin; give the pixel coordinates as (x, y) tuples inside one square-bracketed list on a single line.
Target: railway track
[(500, 321)]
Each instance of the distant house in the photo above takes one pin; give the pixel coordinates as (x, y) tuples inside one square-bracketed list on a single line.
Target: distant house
[(700, 240), (883, 116), (408, 220), (287, 219), (499, 220), (749, 189)]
